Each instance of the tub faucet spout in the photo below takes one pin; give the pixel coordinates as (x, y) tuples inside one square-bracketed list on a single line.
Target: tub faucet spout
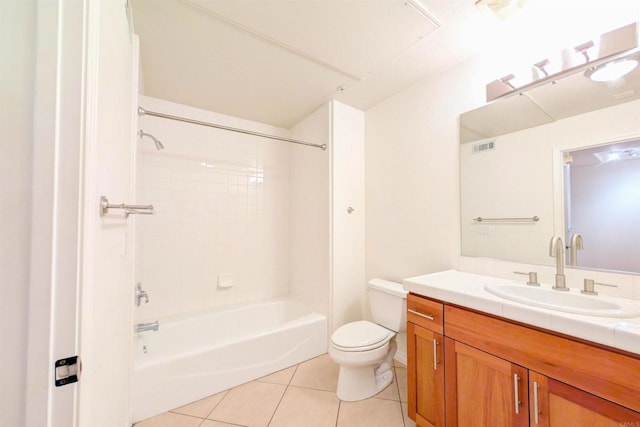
[(143, 327), (556, 249)]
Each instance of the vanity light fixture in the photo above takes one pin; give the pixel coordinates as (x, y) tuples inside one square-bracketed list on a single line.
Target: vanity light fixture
[(612, 70), (616, 50)]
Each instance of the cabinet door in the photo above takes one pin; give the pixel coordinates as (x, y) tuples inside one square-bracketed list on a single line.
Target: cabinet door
[(425, 376), (484, 390), (555, 404)]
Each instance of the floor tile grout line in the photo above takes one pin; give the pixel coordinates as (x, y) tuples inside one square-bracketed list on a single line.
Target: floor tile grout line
[(293, 375), (395, 375), (289, 384), (402, 413), (182, 415), (226, 392), (286, 388), (395, 371), (312, 388)]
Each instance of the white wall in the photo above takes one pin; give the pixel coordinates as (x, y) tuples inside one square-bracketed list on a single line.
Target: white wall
[(327, 242), (412, 174), (347, 229), (310, 212), (222, 202), (17, 44)]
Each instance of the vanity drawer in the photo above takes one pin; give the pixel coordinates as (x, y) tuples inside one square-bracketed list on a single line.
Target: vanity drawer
[(425, 312)]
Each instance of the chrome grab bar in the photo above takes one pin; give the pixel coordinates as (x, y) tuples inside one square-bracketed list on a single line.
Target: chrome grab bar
[(531, 219), (129, 209)]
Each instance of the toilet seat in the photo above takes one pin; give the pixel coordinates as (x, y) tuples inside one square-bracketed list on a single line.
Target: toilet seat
[(360, 336)]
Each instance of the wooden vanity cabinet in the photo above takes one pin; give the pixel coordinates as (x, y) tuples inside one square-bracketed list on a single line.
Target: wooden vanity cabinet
[(502, 373), (555, 404), (425, 360), (488, 390)]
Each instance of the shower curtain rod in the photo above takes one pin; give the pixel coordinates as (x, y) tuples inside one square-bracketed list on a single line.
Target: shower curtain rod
[(143, 112)]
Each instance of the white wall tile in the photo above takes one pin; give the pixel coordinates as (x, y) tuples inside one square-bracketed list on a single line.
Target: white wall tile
[(485, 266), (467, 264), (623, 284), (222, 207)]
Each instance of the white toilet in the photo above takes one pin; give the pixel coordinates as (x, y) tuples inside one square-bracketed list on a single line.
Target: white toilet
[(365, 350)]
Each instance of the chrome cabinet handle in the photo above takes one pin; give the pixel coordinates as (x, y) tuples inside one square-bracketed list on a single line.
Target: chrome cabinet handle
[(536, 408), (516, 379), (435, 354), (417, 313)]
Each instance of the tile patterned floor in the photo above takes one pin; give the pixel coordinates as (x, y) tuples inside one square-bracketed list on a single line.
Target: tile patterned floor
[(299, 396)]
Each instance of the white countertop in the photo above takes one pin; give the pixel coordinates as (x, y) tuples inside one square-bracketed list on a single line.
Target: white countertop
[(467, 290)]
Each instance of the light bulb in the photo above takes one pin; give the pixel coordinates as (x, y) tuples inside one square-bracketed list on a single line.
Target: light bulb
[(612, 70)]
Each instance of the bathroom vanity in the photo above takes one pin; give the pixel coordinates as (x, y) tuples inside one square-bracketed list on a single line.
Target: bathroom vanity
[(475, 359)]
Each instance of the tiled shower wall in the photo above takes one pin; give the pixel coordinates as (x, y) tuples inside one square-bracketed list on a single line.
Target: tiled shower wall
[(222, 213)]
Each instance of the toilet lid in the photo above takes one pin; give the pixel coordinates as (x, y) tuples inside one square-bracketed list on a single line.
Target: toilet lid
[(360, 334)]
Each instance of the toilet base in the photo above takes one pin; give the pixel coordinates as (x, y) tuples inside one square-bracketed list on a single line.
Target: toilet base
[(359, 383)]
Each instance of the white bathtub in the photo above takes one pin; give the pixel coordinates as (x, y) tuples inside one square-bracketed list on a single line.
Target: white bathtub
[(188, 359)]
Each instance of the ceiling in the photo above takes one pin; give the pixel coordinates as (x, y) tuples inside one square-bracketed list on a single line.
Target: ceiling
[(277, 61)]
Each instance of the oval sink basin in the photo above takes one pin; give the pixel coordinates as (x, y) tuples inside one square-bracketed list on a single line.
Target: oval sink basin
[(569, 302)]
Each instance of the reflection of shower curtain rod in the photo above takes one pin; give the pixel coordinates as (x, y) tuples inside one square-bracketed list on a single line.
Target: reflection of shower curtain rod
[(143, 112)]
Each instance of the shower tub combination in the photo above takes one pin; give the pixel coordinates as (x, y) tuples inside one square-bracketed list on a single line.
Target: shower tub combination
[(191, 358)]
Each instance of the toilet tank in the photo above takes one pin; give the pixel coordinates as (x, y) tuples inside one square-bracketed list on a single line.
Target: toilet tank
[(388, 302)]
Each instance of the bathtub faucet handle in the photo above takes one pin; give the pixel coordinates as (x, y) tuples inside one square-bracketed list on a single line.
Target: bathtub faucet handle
[(140, 294)]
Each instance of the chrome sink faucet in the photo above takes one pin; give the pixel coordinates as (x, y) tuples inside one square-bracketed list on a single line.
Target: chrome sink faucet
[(556, 248), (576, 245)]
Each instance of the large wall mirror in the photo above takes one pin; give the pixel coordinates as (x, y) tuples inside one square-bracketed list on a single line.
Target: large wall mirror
[(539, 164)]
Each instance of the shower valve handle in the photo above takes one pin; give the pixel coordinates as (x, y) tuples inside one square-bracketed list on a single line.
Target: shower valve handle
[(140, 294)]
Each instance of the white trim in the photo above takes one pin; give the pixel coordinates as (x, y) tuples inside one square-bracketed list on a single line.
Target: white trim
[(56, 204), (90, 207)]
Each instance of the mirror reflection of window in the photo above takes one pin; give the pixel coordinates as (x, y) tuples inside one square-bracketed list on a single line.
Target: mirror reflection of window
[(602, 204)]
